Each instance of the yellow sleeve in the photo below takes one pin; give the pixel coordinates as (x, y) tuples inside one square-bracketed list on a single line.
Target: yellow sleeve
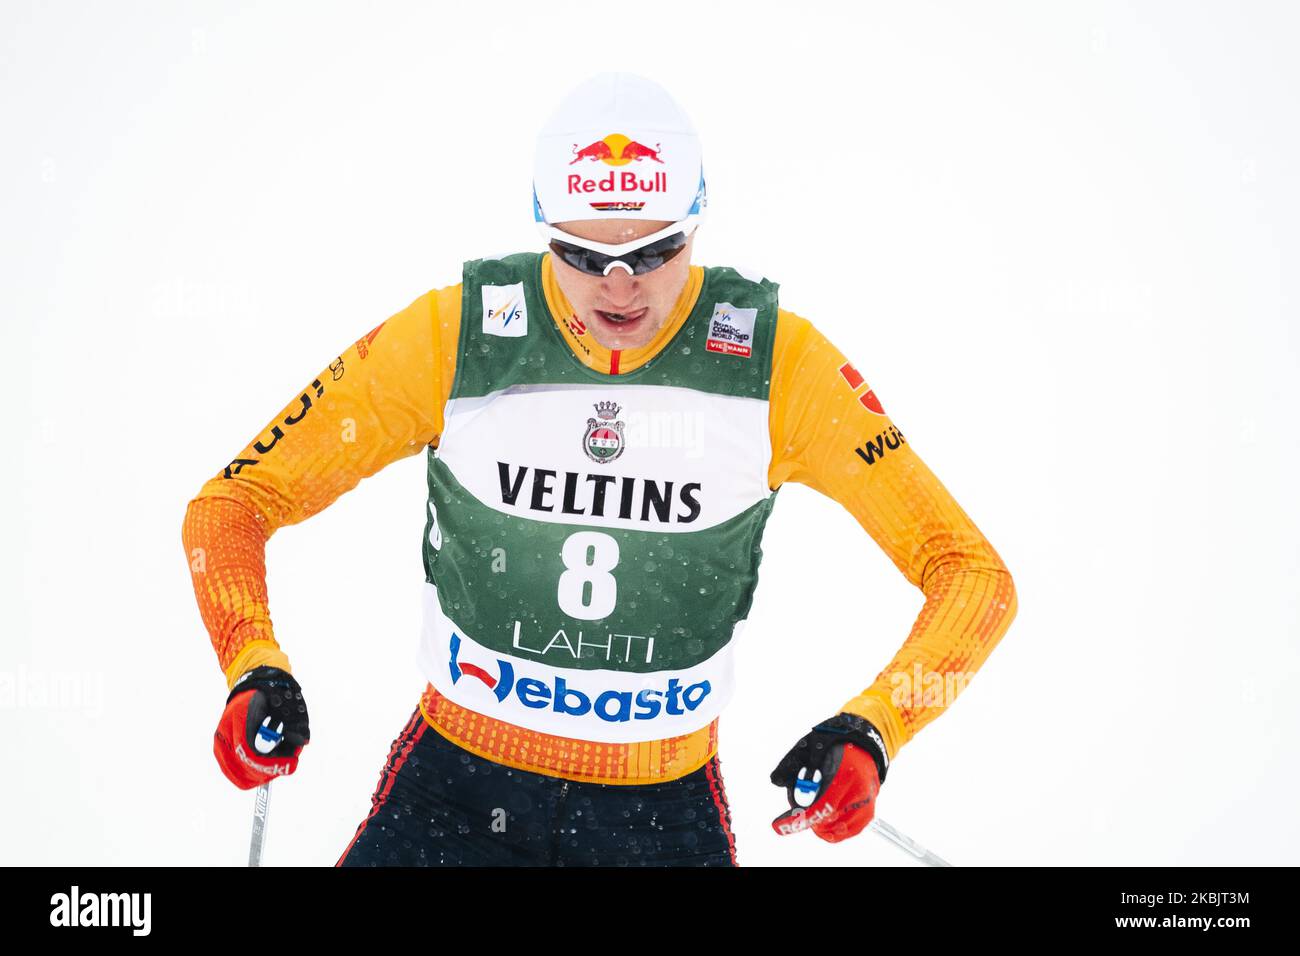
[(377, 402), (830, 432)]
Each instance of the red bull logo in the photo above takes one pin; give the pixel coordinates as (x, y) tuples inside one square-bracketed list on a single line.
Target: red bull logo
[(625, 182), (615, 150)]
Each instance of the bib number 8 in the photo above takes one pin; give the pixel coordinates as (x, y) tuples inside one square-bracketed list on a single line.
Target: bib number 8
[(587, 590)]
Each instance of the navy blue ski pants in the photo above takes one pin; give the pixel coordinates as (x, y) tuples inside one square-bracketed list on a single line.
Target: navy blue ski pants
[(437, 804)]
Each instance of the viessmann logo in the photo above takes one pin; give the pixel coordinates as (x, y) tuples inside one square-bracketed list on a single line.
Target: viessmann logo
[(565, 699)]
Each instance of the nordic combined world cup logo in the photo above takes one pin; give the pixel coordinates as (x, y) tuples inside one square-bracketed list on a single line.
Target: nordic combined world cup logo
[(603, 439)]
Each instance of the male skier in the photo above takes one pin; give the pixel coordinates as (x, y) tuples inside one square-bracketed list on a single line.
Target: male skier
[(607, 425)]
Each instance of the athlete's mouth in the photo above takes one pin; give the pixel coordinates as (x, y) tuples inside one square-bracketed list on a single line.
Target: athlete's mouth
[(621, 318)]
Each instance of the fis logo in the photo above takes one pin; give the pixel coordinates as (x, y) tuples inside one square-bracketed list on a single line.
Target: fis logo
[(569, 701), (504, 311)]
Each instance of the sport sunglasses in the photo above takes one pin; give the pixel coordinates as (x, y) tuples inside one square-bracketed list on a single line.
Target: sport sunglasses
[(639, 261)]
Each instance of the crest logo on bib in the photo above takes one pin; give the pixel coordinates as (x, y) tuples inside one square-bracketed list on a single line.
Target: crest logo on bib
[(603, 439)]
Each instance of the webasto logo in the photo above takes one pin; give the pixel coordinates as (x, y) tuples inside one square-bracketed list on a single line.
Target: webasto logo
[(615, 706)]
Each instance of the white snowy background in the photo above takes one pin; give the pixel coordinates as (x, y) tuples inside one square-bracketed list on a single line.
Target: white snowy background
[(1058, 240)]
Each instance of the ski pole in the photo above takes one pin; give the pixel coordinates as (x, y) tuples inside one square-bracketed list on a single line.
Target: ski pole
[(904, 843), (907, 844), (261, 803)]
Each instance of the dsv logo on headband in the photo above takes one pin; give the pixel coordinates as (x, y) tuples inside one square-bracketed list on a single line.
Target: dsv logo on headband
[(615, 706)]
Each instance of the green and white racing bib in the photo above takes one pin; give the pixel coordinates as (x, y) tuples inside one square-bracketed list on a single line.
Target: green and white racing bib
[(593, 540)]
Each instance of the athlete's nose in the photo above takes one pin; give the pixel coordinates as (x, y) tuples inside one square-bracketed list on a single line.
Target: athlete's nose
[(619, 288)]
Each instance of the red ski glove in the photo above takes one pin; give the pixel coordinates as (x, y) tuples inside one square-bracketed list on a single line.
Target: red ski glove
[(837, 770), (263, 729)]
